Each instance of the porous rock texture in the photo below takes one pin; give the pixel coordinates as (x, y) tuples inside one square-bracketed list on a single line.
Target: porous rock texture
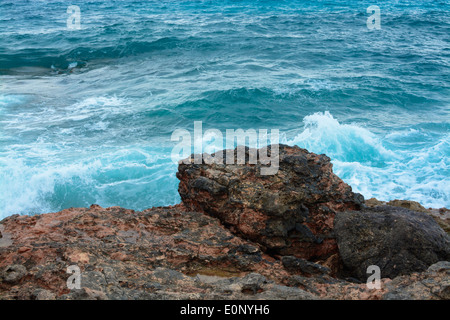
[(289, 213), (397, 240)]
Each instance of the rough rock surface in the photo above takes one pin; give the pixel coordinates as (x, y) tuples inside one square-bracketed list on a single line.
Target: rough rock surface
[(411, 205), (397, 240), (264, 237), (170, 253), (434, 284), (122, 253), (288, 213), (441, 215)]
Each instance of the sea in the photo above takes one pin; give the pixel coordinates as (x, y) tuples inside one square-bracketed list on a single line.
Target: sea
[(92, 91)]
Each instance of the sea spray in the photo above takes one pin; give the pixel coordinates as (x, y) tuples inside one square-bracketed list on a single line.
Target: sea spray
[(361, 159)]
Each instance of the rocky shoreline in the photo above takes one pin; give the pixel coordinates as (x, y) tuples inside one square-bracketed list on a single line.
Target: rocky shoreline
[(299, 234)]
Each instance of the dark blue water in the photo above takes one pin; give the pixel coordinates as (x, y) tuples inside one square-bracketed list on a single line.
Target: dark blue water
[(86, 116)]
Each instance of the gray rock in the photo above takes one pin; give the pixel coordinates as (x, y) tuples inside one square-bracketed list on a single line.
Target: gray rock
[(287, 213), (397, 240), (303, 266), (14, 273), (285, 293), (253, 283), (42, 294), (5, 238), (85, 294), (440, 266), (433, 284)]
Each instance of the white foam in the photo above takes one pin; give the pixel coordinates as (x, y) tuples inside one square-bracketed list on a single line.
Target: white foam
[(361, 159)]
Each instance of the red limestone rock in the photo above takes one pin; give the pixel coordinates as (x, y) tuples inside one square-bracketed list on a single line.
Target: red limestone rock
[(262, 237)]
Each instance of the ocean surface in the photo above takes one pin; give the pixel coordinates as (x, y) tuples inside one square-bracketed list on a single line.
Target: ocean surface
[(86, 116)]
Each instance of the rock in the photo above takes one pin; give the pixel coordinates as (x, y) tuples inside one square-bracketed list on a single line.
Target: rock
[(165, 248), (254, 286), (42, 294), (278, 292), (85, 294), (444, 224), (441, 266), (374, 202), (294, 264), (407, 204), (253, 283), (289, 213), (441, 215), (434, 284), (263, 237), (14, 273), (5, 238), (397, 240)]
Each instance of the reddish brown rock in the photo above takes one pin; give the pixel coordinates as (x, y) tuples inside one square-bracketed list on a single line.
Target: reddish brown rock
[(118, 251), (288, 213)]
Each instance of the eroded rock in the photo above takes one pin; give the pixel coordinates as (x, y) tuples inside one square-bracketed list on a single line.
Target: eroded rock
[(13, 274), (263, 237), (302, 266), (289, 213)]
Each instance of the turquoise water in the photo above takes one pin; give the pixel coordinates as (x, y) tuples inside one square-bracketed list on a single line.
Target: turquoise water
[(86, 116)]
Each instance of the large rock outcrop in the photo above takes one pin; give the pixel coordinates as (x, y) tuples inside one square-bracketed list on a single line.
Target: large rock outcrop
[(289, 213), (263, 237), (170, 253), (124, 254), (397, 240)]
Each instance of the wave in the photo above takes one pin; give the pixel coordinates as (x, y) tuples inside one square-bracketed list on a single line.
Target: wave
[(46, 179), (10, 100), (350, 143), (364, 161), (135, 178)]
